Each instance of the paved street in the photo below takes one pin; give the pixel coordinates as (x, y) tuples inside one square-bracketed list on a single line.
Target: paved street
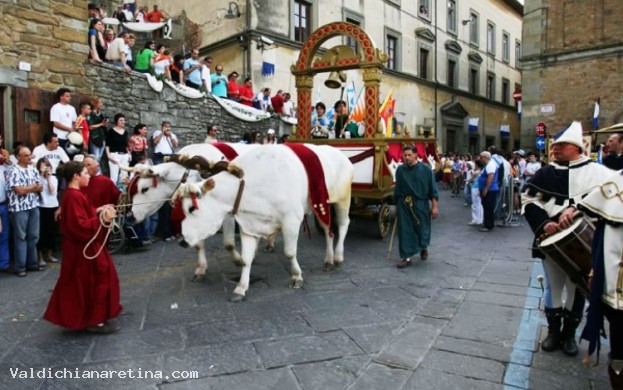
[(467, 318)]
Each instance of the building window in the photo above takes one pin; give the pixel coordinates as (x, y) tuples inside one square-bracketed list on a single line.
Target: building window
[(451, 16), (490, 86), (302, 20), (473, 28), (392, 48), (491, 38), (506, 50), (506, 91), (452, 73), (357, 21), (517, 53), (473, 81), (424, 8), (423, 64)]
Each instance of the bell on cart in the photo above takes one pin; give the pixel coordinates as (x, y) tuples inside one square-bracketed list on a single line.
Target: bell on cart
[(335, 80)]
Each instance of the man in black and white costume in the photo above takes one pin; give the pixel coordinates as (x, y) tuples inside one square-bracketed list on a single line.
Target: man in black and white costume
[(548, 203), (606, 203)]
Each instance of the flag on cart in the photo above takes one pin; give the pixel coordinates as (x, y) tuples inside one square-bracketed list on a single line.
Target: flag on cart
[(358, 112), (596, 114), (386, 112), (351, 96)]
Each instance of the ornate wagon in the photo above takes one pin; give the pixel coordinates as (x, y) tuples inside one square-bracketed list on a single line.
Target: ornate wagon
[(374, 155)]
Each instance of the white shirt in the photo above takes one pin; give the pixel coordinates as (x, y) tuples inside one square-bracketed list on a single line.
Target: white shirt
[(140, 17), (165, 146), (531, 168), (128, 15), (160, 66), (288, 108), (205, 76), (53, 156), (49, 199), (66, 115)]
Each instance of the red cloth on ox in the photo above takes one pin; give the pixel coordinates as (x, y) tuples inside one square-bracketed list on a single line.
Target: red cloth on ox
[(318, 193), (227, 150), (87, 291)]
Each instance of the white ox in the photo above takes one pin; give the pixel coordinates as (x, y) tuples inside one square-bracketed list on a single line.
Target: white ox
[(157, 184), (275, 196)]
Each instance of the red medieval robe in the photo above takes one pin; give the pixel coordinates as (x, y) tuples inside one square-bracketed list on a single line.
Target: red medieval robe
[(87, 291)]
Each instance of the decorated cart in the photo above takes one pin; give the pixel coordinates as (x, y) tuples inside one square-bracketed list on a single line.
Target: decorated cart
[(375, 155)]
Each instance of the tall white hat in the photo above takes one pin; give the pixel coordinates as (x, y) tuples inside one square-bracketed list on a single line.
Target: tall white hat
[(571, 135)]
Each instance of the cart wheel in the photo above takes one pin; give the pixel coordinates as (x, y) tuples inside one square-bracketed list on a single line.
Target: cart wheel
[(384, 220), (116, 240)]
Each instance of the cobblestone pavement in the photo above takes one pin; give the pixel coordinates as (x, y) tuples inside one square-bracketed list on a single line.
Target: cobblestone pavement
[(467, 318)]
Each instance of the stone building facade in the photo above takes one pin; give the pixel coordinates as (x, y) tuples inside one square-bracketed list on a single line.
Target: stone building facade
[(572, 55), (450, 60)]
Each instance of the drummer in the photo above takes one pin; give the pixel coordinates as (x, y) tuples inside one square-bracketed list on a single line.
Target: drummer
[(548, 203), (606, 203)]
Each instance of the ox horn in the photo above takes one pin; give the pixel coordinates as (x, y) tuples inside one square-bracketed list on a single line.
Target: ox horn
[(127, 169)]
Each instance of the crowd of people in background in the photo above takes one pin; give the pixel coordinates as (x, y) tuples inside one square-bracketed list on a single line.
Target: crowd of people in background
[(107, 46), (480, 180), (30, 190)]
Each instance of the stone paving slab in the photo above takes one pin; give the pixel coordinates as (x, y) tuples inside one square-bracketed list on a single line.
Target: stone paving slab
[(217, 359), (371, 338), (247, 329), (279, 379), (410, 345), (277, 353), (338, 317), (332, 374), (376, 376), (139, 366), (474, 348), (151, 341), (475, 321), (502, 299), (507, 272), (467, 366), (426, 378)]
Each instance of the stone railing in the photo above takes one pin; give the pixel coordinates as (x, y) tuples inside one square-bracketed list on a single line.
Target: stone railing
[(133, 96)]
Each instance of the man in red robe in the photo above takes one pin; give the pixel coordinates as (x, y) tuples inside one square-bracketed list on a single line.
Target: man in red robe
[(101, 190), (86, 295)]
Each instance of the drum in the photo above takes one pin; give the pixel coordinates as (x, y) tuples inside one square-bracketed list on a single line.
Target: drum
[(570, 249)]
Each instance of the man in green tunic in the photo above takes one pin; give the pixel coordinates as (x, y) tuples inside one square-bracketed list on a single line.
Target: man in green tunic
[(416, 198)]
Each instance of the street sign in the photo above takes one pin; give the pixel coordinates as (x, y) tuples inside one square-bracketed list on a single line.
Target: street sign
[(540, 143), (547, 109), (540, 129)]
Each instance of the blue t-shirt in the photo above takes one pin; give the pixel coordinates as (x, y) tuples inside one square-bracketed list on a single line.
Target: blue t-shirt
[(194, 76), (482, 179), (219, 85)]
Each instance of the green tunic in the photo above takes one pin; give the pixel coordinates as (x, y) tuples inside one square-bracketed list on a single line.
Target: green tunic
[(414, 222)]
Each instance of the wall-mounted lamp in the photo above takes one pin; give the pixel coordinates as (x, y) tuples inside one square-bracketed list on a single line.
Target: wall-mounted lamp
[(466, 21), (233, 12)]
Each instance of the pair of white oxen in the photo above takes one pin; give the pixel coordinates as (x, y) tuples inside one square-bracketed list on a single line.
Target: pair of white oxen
[(274, 197)]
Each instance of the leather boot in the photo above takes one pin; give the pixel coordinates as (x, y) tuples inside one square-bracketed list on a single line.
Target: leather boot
[(553, 339), (615, 372), (571, 321)]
